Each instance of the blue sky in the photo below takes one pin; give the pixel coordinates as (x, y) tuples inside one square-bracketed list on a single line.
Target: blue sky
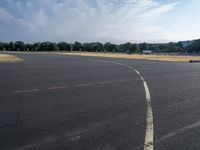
[(116, 21)]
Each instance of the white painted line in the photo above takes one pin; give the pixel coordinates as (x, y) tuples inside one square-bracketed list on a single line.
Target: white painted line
[(26, 91), (57, 87), (148, 145), (75, 138), (106, 82), (113, 82), (176, 76), (111, 62), (149, 134), (178, 131), (142, 78), (137, 72), (124, 80), (146, 90), (84, 85), (149, 68)]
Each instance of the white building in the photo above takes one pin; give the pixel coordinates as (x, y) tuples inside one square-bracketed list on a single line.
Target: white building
[(147, 52)]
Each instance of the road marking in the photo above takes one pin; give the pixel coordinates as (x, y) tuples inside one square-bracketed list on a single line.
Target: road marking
[(153, 68), (176, 76), (102, 83), (111, 62), (148, 145), (146, 90), (149, 134), (26, 91), (124, 80), (178, 131), (75, 138), (137, 72), (107, 82), (57, 87), (77, 85), (84, 85)]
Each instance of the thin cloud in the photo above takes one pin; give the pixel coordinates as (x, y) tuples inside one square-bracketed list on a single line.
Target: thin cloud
[(87, 20), (5, 17)]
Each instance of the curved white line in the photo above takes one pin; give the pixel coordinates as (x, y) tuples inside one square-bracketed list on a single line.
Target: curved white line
[(149, 134)]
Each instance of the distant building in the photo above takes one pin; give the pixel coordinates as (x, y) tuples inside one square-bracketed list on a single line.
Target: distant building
[(147, 52)]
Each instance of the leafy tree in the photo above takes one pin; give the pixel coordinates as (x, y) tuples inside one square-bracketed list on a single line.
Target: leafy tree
[(71, 47), (12, 46), (195, 46), (64, 46), (43, 46), (19, 46), (113, 48), (1, 46), (77, 46), (108, 47), (36, 46), (128, 48), (87, 47), (6, 46), (52, 47), (96, 47), (48, 46), (100, 46), (143, 46), (29, 47), (134, 48), (180, 44)]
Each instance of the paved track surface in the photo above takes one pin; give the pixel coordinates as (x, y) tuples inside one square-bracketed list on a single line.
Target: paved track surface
[(52, 101)]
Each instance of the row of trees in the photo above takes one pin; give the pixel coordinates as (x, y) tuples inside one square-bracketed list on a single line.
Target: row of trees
[(77, 46), (100, 47)]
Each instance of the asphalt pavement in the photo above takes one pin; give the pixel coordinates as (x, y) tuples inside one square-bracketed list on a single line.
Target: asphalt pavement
[(52, 101)]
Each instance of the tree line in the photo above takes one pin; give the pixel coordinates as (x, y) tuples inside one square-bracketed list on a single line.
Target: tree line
[(172, 47)]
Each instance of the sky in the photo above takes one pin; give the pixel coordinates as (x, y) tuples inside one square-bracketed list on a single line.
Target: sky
[(116, 21)]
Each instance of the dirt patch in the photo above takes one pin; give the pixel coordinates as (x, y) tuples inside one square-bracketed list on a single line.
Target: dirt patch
[(9, 58), (174, 58)]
